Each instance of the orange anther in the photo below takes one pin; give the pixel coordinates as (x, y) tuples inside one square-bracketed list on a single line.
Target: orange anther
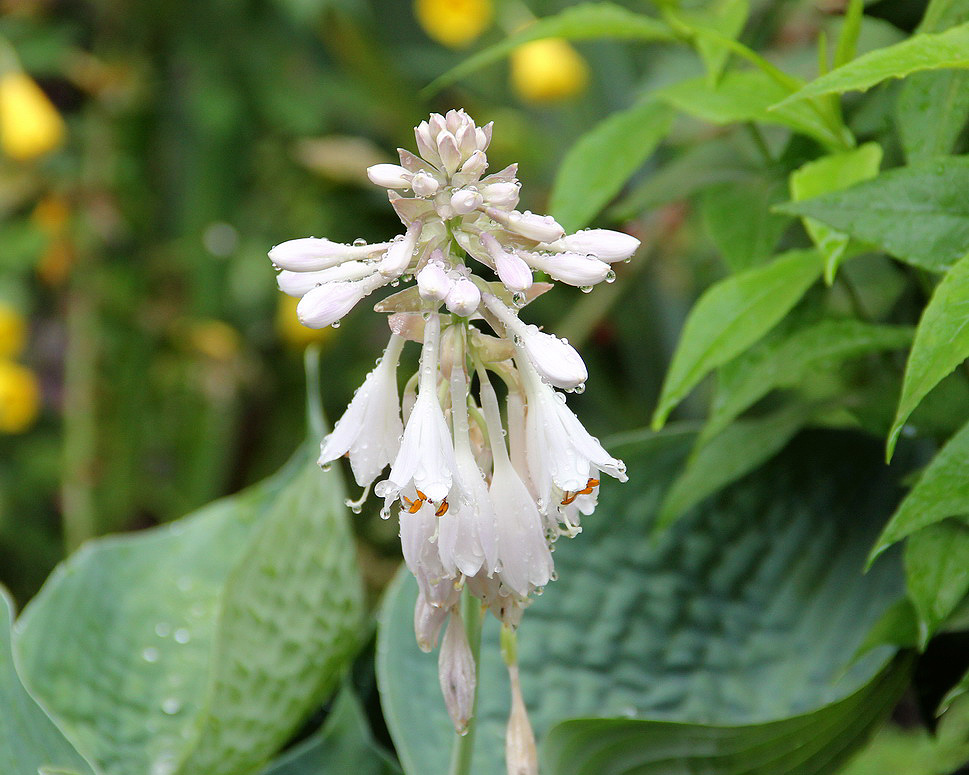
[(442, 509)]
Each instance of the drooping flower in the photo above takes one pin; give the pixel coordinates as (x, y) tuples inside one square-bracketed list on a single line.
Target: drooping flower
[(480, 498)]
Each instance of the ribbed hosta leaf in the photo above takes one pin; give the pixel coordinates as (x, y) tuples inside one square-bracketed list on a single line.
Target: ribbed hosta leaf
[(735, 632), (196, 648), (29, 740)]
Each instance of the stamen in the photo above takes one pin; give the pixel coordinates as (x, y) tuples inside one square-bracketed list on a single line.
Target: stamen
[(442, 509)]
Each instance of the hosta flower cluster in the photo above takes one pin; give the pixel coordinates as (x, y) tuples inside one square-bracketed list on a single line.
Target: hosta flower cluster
[(482, 490)]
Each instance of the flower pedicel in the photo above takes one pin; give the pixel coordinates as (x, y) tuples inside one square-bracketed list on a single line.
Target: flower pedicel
[(479, 505)]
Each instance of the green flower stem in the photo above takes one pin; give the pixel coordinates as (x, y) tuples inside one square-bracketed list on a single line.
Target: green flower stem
[(463, 748)]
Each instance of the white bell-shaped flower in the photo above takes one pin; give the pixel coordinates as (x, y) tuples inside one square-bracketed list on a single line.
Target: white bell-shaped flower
[(370, 428)]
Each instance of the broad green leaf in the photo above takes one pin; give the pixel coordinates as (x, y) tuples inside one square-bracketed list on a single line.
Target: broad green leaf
[(815, 743), (196, 648), (731, 316), (919, 213), (581, 22), (740, 449), (913, 751), (745, 613), (697, 167), (343, 746), (932, 108), (746, 95), (926, 51), (833, 173), (748, 241), (937, 573), (897, 627), (597, 167), (941, 343), (29, 740), (941, 491), (786, 361)]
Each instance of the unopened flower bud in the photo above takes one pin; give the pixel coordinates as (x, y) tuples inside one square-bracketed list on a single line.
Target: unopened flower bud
[(521, 756), (301, 283), (465, 201), (604, 244), (389, 175), (572, 268), (476, 164), (503, 195), (310, 254), (447, 147), (512, 271), (400, 253), (326, 304), (433, 283), (428, 620), (542, 228), (555, 359), (424, 184), (456, 672), (463, 298), (426, 144)]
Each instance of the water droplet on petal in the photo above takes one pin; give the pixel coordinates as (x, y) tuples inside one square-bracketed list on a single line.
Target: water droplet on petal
[(335, 324), (585, 288), (610, 276), (359, 241)]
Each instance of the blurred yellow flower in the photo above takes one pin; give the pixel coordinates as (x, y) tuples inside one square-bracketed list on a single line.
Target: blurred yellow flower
[(454, 23), (215, 339), (13, 331), (52, 216), (19, 397), (547, 70), (30, 125), (291, 331)]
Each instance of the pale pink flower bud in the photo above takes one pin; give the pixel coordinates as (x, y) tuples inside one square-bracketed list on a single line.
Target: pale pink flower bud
[(465, 201), (503, 195), (424, 184), (310, 254), (541, 228), (572, 268), (476, 164), (521, 756), (433, 283), (389, 175), (455, 667), (426, 144), (400, 253), (463, 298), (299, 283), (447, 147), (326, 304), (512, 271), (428, 620), (604, 244)]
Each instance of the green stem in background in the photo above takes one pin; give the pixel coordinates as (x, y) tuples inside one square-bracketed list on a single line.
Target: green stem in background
[(463, 748), (80, 417), (315, 424)]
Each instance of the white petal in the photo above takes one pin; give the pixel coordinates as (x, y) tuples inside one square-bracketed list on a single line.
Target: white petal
[(457, 673), (326, 304), (400, 253), (300, 283), (433, 283), (572, 268), (463, 298), (310, 254), (555, 359), (465, 201), (542, 228)]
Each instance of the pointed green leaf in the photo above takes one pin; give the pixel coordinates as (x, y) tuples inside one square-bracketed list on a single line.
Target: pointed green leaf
[(786, 361), (926, 51), (941, 343), (850, 30), (941, 491), (343, 746), (919, 213), (833, 173), (581, 22), (746, 95), (748, 241), (196, 648), (937, 573), (597, 167), (745, 614), (29, 740), (731, 316)]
